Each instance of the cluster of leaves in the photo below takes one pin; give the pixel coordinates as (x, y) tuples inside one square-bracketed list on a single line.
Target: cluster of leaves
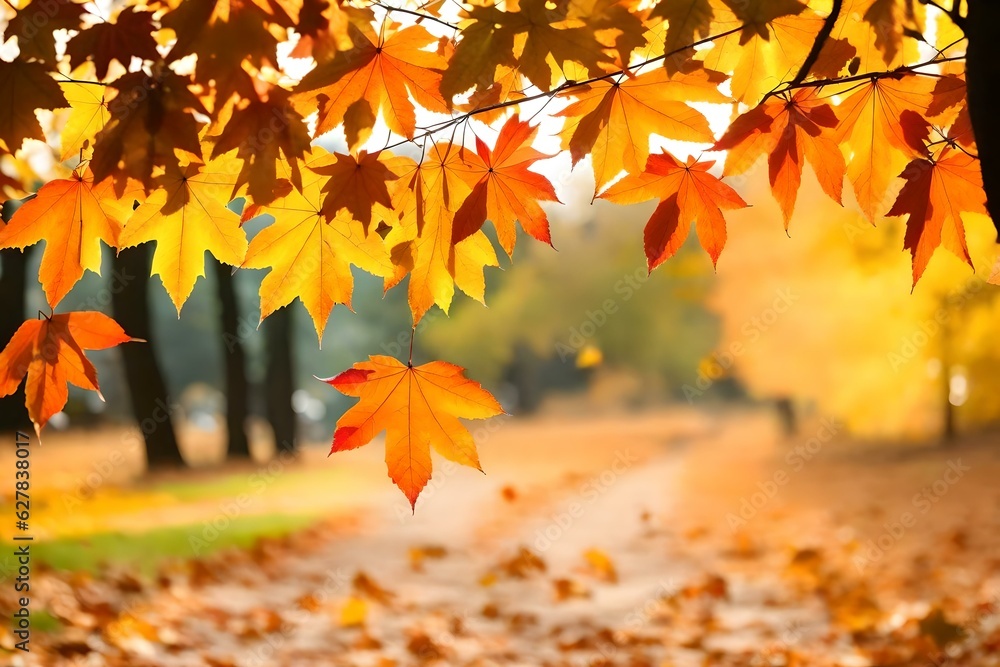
[(179, 108)]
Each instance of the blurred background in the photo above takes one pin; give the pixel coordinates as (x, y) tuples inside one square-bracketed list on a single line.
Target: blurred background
[(699, 467)]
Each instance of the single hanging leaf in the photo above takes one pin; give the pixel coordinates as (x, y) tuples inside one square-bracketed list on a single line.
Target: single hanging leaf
[(506, 190), (687, 193), (934, 197), (379, 73), (789, 132), (186, 214), (310, 256), (24, 87), (418, 408), (425, 199), (72, 216), (881, 125), (51, 353), (612, 120)]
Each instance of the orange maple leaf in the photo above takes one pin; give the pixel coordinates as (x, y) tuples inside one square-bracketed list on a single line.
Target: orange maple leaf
[(51, 352), (505, 190), (72, 215), (687, 193), (380, 72), (419, 408), (935, 195), (612, 119), (879, 139), (789, 132)]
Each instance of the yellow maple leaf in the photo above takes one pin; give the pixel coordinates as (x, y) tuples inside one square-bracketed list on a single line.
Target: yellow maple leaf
[(186, 215), (421, 243), (310, 257)]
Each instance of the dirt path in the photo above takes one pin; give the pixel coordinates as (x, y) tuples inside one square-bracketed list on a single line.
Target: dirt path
[(600, 542)]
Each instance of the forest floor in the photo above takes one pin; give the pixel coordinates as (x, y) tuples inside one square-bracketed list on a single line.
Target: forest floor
[(670, 538)]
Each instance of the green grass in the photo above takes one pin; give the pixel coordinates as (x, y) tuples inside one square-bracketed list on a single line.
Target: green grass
[(146, 550)]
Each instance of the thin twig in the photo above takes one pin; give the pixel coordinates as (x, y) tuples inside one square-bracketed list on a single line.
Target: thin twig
[(413, 12), (903, 69), (566, 85)]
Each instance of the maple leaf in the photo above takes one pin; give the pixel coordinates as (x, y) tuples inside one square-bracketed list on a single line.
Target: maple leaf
[(223, 35), (881, 126), (89, 115), (936, 193), (775, 38), (186, 214), (487, 43), (789, 132), (72, 216), (35, 25), (620, 17), (286, 140), (150, 117), (129, 36), (418, 408), (537, 40), (26, 86), (378, 74), (505, 189), (310, 255), (687, 193), (356, 185), (687, 20), (421, 242), (51, 352), (612, 119)]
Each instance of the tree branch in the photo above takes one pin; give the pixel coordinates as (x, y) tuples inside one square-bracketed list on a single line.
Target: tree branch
[(818, 43), (819, 83), (412, 12), (566, 85)]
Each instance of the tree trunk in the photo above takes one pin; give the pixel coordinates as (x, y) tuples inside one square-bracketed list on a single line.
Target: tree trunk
[(982, 66), (150, 402), (13, 265), (280, 380), (238, 445)]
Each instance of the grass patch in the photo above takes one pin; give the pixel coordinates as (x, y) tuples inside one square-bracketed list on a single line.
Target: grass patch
[(144, 551)]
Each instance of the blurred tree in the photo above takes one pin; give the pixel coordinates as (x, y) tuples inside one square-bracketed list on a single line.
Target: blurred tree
[(150, 402), (280, 379), (653, 326), (234, 357), (826, 316)]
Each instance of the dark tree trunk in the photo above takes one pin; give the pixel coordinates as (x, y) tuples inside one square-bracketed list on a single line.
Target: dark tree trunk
[(280, 381), (982, 66), (238, 445), (148, 392), (13, 265)]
